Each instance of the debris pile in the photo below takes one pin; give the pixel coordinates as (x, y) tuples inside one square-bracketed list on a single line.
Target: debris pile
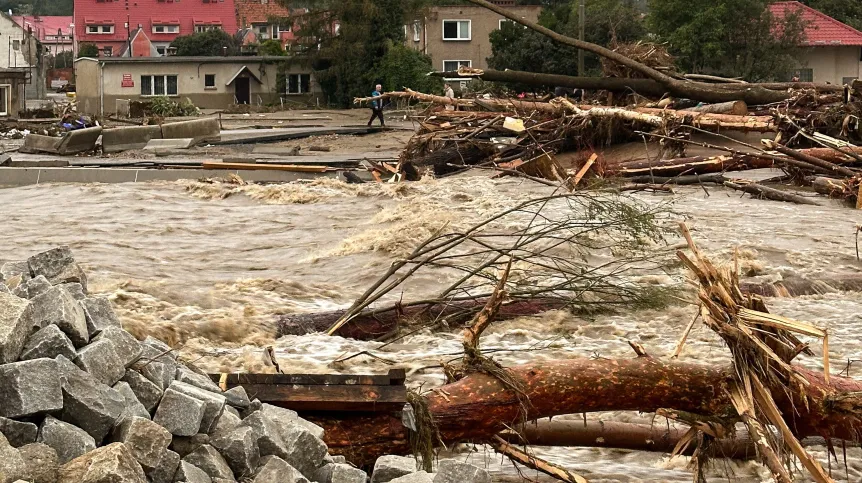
[(81, 400)]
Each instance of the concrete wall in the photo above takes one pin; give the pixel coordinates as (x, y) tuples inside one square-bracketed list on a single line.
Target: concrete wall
[(478, 48), (87, 85), (9, 33), (190, 83), (832, 64)]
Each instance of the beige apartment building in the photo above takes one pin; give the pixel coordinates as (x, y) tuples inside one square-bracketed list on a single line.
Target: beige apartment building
[(210, 82), (459, 35)]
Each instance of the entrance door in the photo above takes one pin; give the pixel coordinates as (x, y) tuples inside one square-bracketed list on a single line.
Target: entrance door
[(243, 94)]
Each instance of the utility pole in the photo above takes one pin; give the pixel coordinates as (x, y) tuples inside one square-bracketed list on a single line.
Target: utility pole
[(129, 33), (581, 22)]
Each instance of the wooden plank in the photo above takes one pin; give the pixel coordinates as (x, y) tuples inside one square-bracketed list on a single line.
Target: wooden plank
[(266, 167), (395, 377), (363, 398)]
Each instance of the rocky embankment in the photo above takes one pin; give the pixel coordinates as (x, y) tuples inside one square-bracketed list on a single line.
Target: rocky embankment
[(83, 401)]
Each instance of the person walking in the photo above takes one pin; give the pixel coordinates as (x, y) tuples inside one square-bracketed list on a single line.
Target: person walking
[(449, 93), (377, 106)]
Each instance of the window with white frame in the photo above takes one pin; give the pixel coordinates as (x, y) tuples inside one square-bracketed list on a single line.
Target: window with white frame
[(298, 83), (502, 22), (417, 31), (209, 81), (100, 29), (262, 31), (457, 29), (277, 30), (453, 65), (159, 85), (108, 51), (166, 29)]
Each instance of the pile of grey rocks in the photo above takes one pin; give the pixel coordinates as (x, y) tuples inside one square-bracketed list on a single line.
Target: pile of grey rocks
[(83, 401)]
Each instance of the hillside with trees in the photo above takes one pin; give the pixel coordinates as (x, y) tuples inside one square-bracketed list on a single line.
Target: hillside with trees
[(37, 7)]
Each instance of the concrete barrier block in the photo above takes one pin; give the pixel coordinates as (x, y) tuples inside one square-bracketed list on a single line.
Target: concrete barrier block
[(198, 129), (119, 139), (36, 143), (162, 144), (80, 141)]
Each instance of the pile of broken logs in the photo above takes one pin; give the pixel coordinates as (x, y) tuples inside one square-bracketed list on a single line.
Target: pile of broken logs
[(812, 131)]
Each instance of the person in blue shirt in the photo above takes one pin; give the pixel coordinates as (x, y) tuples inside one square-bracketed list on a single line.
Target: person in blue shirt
[(377, 106)]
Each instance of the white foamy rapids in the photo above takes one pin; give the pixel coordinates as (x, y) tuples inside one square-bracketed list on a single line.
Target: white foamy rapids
[(208, 267)]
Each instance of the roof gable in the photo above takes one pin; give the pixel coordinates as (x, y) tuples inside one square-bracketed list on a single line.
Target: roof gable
[(820, 29)]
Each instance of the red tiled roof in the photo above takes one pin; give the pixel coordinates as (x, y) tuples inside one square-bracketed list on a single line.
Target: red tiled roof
[(255, 11), (147, 13), (45, 25), (820, 29)]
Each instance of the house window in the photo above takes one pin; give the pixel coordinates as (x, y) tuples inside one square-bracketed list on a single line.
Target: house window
[(262, 31), (162, 50), (206, 28), (453, 65), (417, 31), (16, 45), (806, 75), (159, 85), (846, 81), (108, 51), (4, 99), (503, 21), (298, 83), (100, 29), (277, 30), (166, 29), (456, 29), (209, 81)]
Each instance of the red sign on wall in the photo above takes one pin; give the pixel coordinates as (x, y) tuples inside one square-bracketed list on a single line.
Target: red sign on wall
[(127, 80)]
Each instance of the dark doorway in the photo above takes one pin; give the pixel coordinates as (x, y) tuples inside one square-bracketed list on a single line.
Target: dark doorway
[(243, 94)]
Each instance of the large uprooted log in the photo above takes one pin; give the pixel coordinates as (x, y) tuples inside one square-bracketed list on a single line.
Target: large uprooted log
[(480, 406), (760, 389), (699, 91), (373, 324), (644, 87)]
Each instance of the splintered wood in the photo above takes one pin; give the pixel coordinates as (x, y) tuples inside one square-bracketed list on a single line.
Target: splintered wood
[(762, 345)]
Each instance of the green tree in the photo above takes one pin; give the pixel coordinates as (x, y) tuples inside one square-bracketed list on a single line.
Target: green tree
[(402, 67), (212, 43), (87, 49), (847, 11), (63, 60), (734, 38), (270, 47), (514, 47), (37, 7), (350, 61)]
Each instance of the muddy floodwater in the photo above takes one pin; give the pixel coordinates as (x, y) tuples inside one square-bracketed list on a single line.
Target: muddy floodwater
[(207, 267)]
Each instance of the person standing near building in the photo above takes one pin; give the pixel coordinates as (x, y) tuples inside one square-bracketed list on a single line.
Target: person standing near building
[(449, 93), (377, 105)]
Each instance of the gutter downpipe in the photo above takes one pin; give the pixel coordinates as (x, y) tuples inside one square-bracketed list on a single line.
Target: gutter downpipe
[(102, 90)]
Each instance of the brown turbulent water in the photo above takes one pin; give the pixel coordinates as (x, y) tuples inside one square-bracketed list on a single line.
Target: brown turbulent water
[(207, 266)]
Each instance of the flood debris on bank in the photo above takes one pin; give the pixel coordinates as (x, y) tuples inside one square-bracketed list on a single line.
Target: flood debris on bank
[(83, 401), (810, 131)]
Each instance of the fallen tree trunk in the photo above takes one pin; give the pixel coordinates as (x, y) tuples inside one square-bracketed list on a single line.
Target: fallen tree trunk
[(808, 158), (479, 406), (739, 108), (644, 87), (373, 324), (803, 286), (715, 178), (694, 165), (768, 193), (699, 91), (611, 434)]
